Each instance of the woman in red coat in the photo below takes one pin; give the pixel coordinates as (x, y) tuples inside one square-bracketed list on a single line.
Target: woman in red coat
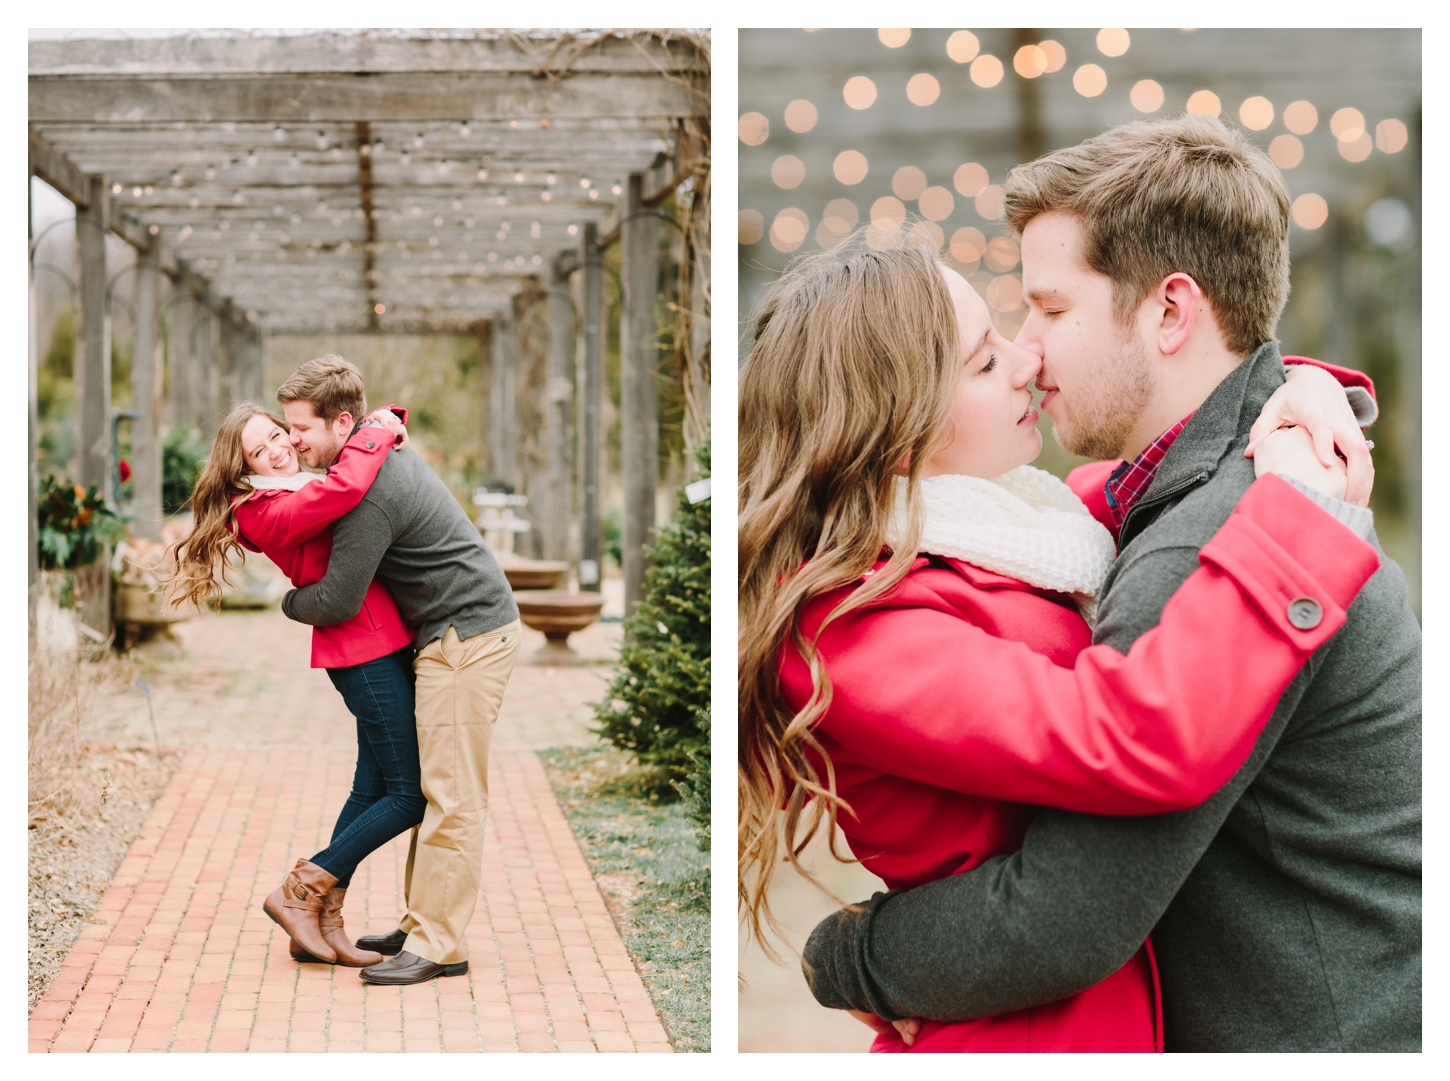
[(253, 495), (915, 602)]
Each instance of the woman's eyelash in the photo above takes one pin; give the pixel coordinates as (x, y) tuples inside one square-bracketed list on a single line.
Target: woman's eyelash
[(990, 365)]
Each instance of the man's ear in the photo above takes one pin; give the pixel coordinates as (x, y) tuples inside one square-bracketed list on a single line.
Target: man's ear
[(342, 422), (1177, 299)]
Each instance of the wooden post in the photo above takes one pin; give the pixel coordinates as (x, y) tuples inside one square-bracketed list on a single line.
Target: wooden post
[(93, 392), (180, 364), (559, 391), (591, 321), (146, 379), (228, 363), (32, 427), (256, 368), (639, 355), (503, 437), (206, 332)]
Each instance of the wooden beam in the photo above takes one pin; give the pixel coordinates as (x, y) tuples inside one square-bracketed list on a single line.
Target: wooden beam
[(556, 57), (58, 171), (312, 99)]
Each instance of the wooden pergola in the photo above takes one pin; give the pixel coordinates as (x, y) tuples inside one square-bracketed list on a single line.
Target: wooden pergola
[(388, 182)]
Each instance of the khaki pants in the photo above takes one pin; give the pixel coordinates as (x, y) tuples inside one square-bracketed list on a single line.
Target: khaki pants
[(460, 686)]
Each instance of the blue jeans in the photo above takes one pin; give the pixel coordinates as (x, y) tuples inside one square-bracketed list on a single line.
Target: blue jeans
[(387, 795)]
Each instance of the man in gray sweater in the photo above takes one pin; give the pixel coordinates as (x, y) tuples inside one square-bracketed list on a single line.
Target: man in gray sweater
[(411, 534), (1284, 911)]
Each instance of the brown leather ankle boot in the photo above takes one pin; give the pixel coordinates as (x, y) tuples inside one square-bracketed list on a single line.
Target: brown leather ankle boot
[(348, 953), (296, 906)]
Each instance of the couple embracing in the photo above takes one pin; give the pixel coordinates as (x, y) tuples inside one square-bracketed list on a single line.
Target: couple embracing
[(1138, 755), (416, 627)]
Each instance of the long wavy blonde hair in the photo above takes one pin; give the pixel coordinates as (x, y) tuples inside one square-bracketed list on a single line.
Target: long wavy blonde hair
[(202, 556), (850, 378)]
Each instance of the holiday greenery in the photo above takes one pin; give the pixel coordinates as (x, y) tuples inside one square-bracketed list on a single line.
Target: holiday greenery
[(694, 790), (658, 704), (74, 525), (183, 453)]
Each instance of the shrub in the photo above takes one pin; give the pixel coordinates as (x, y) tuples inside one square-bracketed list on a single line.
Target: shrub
[(183, 453), (656, 706), (74, 525), (694, 790)]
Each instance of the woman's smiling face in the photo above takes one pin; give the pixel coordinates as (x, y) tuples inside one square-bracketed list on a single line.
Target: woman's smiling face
[(992, 425), (267, 449)]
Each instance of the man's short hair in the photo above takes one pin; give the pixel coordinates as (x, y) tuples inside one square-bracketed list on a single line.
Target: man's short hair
[(332, 385), (1156, 197)]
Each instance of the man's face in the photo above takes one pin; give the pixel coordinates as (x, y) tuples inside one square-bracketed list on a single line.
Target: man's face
[(1097, 373), (318, 441)]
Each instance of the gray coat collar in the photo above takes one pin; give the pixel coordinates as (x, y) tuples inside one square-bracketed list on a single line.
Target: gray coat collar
[(1224, 417)]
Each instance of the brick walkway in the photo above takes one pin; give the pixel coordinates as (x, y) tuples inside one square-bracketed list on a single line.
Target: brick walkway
[(180, 956)]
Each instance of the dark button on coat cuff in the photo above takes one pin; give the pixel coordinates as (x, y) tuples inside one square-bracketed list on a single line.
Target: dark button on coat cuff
[(1305, 613)]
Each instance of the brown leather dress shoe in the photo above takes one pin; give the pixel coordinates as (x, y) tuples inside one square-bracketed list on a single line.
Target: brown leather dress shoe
[(330, 921), (410, 968), (388, 945), (296, 906)]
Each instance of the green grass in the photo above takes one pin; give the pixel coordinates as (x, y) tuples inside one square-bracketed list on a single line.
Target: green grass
[(643, 855)]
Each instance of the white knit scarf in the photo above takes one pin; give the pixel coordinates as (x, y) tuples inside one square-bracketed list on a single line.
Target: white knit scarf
[(293, 483), (1026, 524)]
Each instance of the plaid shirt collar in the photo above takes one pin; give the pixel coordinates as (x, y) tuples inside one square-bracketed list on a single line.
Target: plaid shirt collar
[(1131, 479)]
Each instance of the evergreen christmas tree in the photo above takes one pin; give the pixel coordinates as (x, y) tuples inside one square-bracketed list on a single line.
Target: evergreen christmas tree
[(657, 706)]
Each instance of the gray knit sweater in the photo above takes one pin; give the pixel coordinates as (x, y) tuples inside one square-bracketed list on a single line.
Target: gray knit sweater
[(1285, 910), (411, 534)]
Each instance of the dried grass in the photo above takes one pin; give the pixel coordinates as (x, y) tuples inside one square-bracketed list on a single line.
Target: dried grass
[(90, 790)]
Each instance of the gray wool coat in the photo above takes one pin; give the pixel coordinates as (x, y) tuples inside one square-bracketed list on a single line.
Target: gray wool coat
[(1285, 910)]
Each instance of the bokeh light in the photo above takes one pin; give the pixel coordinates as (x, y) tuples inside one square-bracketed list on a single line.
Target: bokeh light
[(986, 71), (754, 129), (859, 92), (1204, 102), (1090, 80), (887, 212), (1286, 151), (1347, 124), (1146, 96), (909, 182), (1005, 293), (882, 239), (923, 89), (788, 231), (926, 234), (894, 39), (1029, 61), (850, 167), (1054, 52), (970, 179), (752, 226), (836, 225), (1113, 41), (1310, 211), (788, 171), (1356, 149), (800, 116), (968, 244), (1300, 117), (1002, 254), (937, 204), (1256, 113), (1390, 136), (963, 46), (989, 202), (843, 214)]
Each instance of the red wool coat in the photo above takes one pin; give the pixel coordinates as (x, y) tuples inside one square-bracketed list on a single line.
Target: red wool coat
[(294, 530), (963, 699)]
